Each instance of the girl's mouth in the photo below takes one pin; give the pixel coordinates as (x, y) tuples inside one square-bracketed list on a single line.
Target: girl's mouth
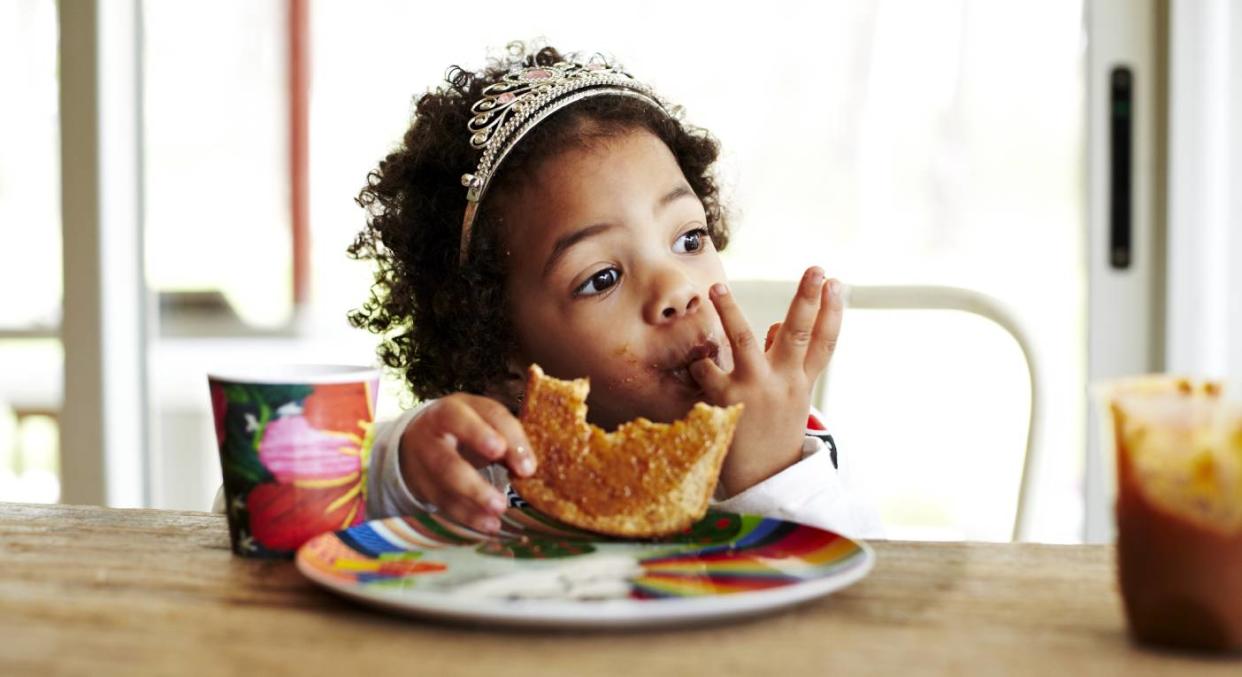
[(681, 371), (682, 376)]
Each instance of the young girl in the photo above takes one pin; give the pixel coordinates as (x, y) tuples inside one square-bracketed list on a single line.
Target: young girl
[(553, 211)]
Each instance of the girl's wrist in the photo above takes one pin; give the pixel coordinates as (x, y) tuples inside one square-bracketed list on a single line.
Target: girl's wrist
[(737, 477)]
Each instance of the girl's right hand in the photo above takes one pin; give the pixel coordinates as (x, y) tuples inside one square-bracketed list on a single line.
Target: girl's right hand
[(442, 448)]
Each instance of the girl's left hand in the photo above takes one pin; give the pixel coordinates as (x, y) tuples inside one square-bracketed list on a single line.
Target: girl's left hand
[(774, 385)]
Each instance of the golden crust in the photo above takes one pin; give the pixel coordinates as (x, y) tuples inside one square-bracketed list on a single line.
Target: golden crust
[(644, 479)]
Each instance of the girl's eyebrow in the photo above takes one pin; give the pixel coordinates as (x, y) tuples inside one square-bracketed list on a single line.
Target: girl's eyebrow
[(565, 242), (677, 193)]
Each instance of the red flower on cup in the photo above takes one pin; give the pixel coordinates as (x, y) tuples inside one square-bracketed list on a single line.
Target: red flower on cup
[(319, 457)]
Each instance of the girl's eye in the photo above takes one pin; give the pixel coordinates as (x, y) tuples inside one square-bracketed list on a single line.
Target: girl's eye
[(690, 242), (599, 282)]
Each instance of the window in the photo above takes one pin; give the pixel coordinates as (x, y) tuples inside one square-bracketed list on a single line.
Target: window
[(216, 140), (30, 252), (29, 167)]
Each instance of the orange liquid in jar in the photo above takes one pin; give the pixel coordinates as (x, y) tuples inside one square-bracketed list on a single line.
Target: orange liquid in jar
[(1179, 513)]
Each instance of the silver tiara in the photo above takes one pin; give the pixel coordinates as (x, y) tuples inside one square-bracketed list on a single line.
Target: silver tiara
[(522, 99)]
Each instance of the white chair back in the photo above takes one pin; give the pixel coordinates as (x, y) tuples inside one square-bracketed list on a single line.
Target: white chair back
[(766, 301)]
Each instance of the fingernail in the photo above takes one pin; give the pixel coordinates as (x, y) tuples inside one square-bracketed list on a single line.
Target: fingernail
[(834, 288), (525, 462), (720, 289), (495, 445), (489, 524), (496, 504), (817, 276)]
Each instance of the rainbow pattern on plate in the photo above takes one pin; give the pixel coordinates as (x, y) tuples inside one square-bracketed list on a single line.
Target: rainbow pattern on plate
[(722, 554), (767, 553)]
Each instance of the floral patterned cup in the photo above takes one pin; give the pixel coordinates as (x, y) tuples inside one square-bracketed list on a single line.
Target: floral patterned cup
[(295, 442)]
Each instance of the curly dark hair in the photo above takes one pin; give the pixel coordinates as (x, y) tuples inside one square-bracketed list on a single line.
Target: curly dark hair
[(446, 326)]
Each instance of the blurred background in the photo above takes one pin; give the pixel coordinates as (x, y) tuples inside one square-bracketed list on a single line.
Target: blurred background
[(177, 183)]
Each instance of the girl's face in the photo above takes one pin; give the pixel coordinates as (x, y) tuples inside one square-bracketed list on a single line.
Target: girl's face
[(609, 277)]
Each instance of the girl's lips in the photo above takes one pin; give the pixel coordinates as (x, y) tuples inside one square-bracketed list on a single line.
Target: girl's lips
[(681, 371), (705, 349), (682, 376)]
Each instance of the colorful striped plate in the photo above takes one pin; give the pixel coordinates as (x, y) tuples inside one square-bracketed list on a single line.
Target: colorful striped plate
[(539, 572)]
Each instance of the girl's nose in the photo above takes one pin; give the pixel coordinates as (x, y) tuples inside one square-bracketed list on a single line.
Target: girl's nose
[(673, 295)]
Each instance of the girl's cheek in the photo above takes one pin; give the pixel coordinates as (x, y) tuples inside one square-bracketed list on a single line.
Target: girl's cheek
[(623, 374)]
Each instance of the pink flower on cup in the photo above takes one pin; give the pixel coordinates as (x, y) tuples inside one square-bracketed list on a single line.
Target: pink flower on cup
[(319, 459), (292, 450)]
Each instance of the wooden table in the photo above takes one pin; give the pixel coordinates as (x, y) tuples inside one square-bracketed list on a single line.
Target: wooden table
[(88, 590)]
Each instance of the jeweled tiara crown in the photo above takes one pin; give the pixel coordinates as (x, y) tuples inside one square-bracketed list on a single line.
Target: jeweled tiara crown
[(521, 100)]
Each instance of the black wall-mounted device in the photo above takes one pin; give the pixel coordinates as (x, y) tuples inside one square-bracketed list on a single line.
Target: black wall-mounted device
[(1121, 174)]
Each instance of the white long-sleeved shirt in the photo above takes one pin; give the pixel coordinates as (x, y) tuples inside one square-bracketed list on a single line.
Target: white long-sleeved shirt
[(810, 491)]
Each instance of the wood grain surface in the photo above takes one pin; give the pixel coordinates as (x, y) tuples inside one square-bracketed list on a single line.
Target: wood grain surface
[(98, 591)]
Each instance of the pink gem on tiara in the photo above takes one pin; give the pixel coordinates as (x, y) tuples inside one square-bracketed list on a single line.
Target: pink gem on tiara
[(506, 97), (537, 74)]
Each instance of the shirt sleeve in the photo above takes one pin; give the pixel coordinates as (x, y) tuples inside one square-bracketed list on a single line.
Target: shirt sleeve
[(387, 495), (810, 492)]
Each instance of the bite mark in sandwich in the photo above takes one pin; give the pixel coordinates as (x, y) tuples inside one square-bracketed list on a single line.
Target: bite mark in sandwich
[(643, 479)]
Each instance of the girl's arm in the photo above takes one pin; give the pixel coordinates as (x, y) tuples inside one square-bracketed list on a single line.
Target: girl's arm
[(810, 492), (387, 494)]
